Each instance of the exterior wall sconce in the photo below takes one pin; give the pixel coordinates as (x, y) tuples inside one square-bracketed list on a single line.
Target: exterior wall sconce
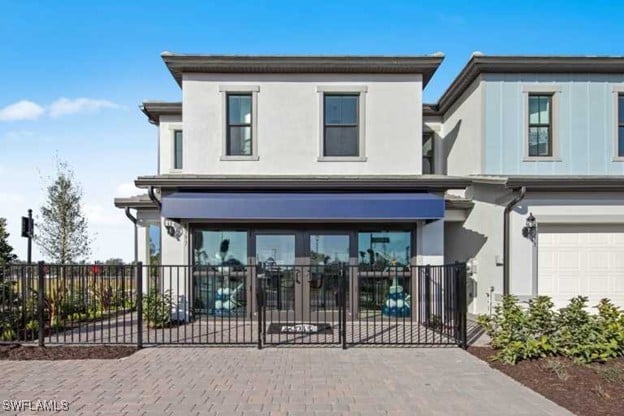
[(530, 229), (173, 229)]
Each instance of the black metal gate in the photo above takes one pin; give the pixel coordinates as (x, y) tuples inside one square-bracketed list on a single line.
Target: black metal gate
[(330, 304), (345, 305)]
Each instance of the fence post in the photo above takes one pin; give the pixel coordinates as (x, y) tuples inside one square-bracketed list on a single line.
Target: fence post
[(427, 295), (40, 300), (343, 300), (24, 293), (139, 304), (260, 305), (463, 306)]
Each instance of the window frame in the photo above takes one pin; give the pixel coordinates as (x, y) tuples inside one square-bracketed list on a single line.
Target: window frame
[(175, 131), (553, 92), (169, 141), (540, 125), (431, 158), (233, 90), (618, 91), (337, 90)]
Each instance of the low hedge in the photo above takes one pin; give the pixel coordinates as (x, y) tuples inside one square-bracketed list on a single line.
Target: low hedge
[(520, 333)]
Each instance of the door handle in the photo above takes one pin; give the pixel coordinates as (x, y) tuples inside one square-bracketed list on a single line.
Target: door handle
[(297, 280)]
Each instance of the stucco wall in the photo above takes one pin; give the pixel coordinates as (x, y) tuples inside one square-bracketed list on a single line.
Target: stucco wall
[(462, 134), (480, 238), (584, 115), (288, 120), (166, 128)]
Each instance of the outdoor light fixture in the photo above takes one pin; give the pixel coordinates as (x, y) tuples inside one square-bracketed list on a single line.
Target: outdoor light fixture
[(530, 228), (172, 228)]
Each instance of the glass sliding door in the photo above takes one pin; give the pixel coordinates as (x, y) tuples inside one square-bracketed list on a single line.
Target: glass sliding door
[(219, 272), (276, 271), (384, 278), (329, 253)]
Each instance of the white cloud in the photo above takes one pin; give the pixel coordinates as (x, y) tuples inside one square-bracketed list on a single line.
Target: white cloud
[(127, 189), (21, 110), (97, 215), (29, 110), (66, 106)]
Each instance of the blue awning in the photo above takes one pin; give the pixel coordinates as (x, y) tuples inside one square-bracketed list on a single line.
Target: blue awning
[(303, 206)]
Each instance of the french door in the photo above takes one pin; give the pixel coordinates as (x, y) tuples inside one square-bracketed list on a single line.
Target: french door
[(300, 273)]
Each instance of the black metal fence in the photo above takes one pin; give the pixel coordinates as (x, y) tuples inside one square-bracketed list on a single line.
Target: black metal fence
[(62, 304), (264, 304)]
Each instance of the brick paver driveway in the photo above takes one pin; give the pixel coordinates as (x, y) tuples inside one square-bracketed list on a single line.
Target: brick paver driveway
[(280, 381)]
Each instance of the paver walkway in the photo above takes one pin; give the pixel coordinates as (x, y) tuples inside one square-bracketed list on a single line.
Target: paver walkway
[(275, 381)]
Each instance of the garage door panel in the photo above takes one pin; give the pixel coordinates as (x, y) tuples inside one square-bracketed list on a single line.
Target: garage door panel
[(582, 260), (569, 260), (597, 259)]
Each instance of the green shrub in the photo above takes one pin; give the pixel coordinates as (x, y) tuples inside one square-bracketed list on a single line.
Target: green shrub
[(79, 316), (8, 334), (157, 308), (95, 313), (32, 326), (539, 331)]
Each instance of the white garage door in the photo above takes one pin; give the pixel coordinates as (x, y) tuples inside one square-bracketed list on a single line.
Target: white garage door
[(581, 260)]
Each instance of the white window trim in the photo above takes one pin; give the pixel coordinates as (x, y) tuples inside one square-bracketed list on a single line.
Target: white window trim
[(172, 129), (554, 90), (616, 91), (244, 89), (361, 90)]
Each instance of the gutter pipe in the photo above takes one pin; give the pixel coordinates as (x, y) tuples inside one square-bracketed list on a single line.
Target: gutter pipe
[(152, 196), (136, 240), (506, 252)]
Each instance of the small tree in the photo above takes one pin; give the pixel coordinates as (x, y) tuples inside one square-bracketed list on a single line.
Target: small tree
[(62, 230), (6, 251)]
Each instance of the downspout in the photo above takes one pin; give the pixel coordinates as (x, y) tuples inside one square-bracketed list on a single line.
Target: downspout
[(136, 239), (506, 252), (152, 196)]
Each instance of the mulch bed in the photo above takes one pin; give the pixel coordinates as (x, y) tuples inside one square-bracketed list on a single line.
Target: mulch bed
[(100, 352), (586, 390)]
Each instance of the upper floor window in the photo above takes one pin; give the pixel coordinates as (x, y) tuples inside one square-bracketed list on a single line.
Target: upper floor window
[(427, 154), (177, 149), (239, 124), (540, 125), (620, 134), (341, 125)]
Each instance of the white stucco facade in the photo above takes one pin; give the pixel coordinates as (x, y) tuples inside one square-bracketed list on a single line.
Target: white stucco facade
[(289, 124)]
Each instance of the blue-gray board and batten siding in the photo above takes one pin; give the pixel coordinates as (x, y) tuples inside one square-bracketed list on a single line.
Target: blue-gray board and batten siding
[(585, 124)]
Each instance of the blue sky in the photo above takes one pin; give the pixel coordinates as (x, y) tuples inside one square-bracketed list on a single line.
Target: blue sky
[(73, 73)]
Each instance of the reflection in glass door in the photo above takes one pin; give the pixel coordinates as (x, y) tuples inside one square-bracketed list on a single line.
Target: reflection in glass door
[(328, 253), (276, 271)]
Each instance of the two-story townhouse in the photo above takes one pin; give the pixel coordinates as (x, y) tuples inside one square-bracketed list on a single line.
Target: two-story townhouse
[(542, 139), (277, 161)]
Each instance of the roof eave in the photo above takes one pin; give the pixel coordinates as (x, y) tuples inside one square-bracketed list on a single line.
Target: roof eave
[(425, 65), (134, 203), (154, 109), (414, 183)]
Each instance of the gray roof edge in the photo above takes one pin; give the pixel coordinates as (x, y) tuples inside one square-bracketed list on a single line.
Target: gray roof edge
[(555, 182), (377, 182), (138, 201), (154, 109), (402, 64)]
